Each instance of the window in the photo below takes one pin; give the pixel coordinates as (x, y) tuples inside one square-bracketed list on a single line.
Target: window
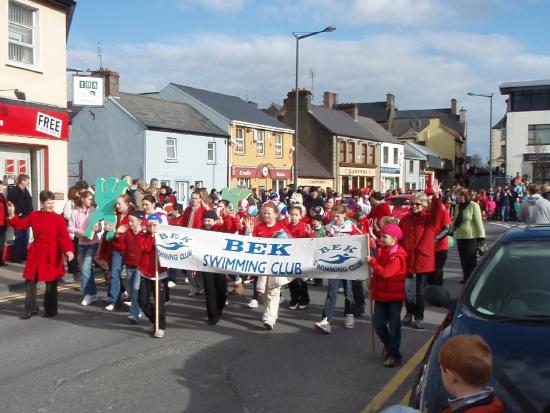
[(239, 141), (243, 182), (538, 135), (351, 152), (342, 151), (180, 189), (386, 155), (211, 152), (372, 155), (530, 100), (278, 145), (260, 142), (411, 166), (395, 156), (22, 34), (364, 149), (171, 150)]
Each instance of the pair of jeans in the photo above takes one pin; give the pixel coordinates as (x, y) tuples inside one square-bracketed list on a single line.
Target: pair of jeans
[(86, 254), (20, 245), (414, 292), (173, 274), (116, 270), (133, 281), (387, 323), (146, 289), (299, 293), (332, 293), (467, 251), (504, 213)]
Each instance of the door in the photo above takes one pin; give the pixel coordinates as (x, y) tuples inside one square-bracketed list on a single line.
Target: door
[(182, 189)]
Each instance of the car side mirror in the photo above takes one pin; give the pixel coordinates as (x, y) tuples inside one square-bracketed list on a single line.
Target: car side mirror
[(439, 297)]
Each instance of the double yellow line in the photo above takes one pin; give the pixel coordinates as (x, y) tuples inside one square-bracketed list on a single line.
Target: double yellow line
[(21, 296), (396, 381)]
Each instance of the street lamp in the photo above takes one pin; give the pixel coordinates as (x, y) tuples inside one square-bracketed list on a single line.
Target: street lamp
[(490, 96), (299, 36)]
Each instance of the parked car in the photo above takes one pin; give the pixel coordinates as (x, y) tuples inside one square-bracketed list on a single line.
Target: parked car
[(399, 205), (507, 302)]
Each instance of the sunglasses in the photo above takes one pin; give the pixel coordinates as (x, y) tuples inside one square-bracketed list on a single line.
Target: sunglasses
[(418, 204)]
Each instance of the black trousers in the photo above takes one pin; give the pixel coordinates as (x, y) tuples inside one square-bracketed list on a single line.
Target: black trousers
[(215, 288), (467, 250), (50, 297), (3, 230), (299, 293), (146, 290), (436, 277), (358, 297)]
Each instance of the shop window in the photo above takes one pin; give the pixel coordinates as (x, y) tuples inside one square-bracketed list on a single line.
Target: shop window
[(278, 145), (22, 33), (171, 149), (211, 152), (239, 141), (260, 142), (243, 182)]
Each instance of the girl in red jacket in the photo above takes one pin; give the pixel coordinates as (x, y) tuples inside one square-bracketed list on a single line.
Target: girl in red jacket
[(387, 286)]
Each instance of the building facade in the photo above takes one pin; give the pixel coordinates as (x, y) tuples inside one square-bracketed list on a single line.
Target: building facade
[(33, 94), (261, 148), (527, 130)]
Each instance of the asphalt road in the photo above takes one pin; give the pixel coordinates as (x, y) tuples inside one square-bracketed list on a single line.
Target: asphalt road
[(89, 360)]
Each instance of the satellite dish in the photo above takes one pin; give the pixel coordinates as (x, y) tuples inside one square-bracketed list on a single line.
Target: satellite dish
[(415, 124)]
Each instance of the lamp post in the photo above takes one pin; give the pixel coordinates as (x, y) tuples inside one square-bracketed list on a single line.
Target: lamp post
[(490, 96), (299, 36)]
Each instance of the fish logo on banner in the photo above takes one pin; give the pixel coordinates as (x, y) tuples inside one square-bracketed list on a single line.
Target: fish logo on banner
[(338, 258), (173, 246)]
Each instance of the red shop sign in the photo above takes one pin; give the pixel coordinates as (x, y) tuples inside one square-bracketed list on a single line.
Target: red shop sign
[(33, 121), (238, 172), (22, 166), (280, 174), (10, 166)]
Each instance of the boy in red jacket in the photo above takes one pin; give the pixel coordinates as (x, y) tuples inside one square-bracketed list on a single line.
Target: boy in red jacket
[(147, 273), (127, 240), (299, 294), (387, 286)]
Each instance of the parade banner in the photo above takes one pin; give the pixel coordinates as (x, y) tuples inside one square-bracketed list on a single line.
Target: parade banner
[(208, 251)]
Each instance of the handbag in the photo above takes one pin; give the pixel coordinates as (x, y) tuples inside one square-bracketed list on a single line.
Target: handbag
[(482, 247)]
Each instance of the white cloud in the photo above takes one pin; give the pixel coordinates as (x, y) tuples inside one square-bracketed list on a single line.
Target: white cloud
[(216, 5), (423, 71)]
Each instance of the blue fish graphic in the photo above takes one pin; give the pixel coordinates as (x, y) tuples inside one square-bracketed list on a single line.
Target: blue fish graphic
[(172, 246), (337, 259)]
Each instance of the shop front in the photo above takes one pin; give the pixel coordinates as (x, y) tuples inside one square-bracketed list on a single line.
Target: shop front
[(356, 178), (318, 182), (539, 163), (33, 141), (390, 178), (262, 177)]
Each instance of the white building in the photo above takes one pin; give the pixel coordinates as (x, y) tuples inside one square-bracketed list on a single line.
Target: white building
[(415, 168), (528, 129)]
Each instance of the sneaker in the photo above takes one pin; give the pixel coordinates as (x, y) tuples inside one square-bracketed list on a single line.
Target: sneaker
[(128, 303), (253, 303), (133, 319), (302, 306), (392, 362), (186, 281), (293, 306), (89, 299), (350, 321), (124, 296), (268, 326), (340, 290), (171, 284), (192, 293), (238, 289), (324, 325), (407, 319), (417, 324), (110, 307), (158, 334)]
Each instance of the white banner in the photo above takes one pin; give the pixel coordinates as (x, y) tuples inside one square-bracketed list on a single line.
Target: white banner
[(199, 250)]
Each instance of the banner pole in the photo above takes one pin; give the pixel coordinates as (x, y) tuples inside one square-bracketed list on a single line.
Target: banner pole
[(371, 311), (157, 292)]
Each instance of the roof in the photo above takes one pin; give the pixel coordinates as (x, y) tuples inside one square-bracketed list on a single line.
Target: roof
[(340, 123), (232, 107), (421, 149), (500, 124), (402, 118), (506, 88), (400, 127), (309, 166), (378, 131), (412, 154), (374, 110), (167, 115), (528, 233)]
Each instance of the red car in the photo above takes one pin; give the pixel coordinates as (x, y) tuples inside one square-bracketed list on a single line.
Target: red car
[(399, 205)]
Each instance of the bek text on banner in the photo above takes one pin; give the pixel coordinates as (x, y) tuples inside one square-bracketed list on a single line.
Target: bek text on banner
[(208, 251)]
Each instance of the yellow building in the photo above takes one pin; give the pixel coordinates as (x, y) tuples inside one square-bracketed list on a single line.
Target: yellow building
[(33, 94), (261, 147)]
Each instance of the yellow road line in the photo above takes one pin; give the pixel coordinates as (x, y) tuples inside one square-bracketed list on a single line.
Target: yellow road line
[(405, 400), (396, 381), (21, 296)]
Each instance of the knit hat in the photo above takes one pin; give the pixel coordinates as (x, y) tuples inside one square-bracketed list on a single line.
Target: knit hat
[(273, 195), (137, 214), (319, 210), (210, 214), (317, 218), (392, 230), (155, 217)]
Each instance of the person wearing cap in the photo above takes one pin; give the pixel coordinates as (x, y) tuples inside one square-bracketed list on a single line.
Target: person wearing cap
[(313, 199), (127, 240), (147, 271), (387, 287)]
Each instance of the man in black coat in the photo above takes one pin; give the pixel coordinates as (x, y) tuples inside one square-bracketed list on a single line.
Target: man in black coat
[(21, 199)]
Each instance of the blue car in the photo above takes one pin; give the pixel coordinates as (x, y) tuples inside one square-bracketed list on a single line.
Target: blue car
[(507, 302)]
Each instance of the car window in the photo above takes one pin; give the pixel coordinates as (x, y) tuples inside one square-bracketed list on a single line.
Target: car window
[(399, 202), (515, 282)]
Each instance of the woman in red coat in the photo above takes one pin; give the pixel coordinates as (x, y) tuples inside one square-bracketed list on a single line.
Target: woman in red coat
[(420, 227), (45, 261)]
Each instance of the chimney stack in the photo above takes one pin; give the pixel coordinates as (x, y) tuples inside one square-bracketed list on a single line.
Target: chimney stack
[(350, 108), (330, 99), (453, 106), (462, 116), (111, 80), (390, 102)]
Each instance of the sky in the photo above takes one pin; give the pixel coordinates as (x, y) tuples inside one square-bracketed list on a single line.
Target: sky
[(425, 52)]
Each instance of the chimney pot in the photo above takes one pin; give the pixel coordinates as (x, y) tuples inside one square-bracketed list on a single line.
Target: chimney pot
[(462, 116), (453, 106), (330, 99)]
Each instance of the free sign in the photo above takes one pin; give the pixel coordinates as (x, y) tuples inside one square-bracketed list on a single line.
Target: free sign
[(48, 124)]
